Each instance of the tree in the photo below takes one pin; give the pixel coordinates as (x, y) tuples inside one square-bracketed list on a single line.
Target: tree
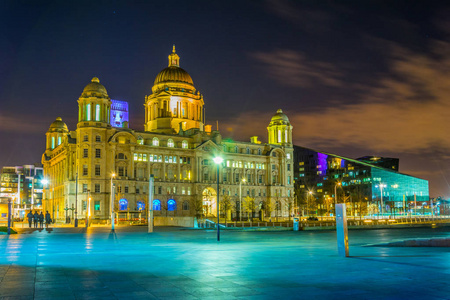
[(289, 203), (197, 204), (372, 208), (249, 206), (268, 207), (225, 205)]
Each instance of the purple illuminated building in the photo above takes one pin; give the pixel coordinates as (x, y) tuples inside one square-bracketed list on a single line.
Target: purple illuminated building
[(119, 113)]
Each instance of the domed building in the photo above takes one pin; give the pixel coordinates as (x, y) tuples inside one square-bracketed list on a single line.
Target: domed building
[(176, 147)]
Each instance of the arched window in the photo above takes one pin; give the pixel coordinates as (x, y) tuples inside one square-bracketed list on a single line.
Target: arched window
[(88, 112), (140, 140), (53, 142), (248, 150), (155, 141), (170, 143), (140, 205), (121, 156), (236, 149), (59, 140), (97, 112), (184, 145), (185, 205), (123, 204), (171, 205), (156, 204), (259, 151)]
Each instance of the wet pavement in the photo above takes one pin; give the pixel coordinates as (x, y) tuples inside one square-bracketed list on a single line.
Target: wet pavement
[(175, 263)]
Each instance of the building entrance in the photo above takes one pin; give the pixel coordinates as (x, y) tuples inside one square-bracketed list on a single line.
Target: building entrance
[(209, 199)]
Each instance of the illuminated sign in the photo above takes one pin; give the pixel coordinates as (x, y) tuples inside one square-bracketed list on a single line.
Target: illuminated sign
[(119, 113)]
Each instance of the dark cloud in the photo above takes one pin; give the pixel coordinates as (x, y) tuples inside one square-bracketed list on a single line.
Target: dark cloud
[(292, 68)]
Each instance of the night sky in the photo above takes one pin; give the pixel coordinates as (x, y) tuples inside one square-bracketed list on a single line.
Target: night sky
[(355, 78)]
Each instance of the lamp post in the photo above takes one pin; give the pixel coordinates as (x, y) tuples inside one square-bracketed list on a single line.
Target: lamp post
[(240, 198), (307, 201), (44, 182), (88, 213), (112, 202), (381, 186), (218, 160), (335, 193)]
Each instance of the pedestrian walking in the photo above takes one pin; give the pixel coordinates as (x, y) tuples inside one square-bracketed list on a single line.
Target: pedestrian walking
[(48, 219), (30, 217), (36, 219), (41, 220)]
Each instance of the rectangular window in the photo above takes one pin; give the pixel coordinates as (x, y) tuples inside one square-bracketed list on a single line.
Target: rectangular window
[(135, 156), (237, 178), (97, 112), (259, 179), (288, 181), (59, 140), (189, 191), (288, 156), (160, 190), (85, 153), (137, 190), (97, 188), (121, 171), (166, 159), (249, 178), (144, 158), (98, 153), (224, 177), (83, 205), (97, 170), (288, 168), (85, 170), (119, 189), (85, 188), (98, 139), (126, 189), (53, 142), (183, 191), (86, 138), (97, 205)]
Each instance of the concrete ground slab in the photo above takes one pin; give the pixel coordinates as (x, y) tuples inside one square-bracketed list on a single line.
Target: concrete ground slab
[(173, 263)]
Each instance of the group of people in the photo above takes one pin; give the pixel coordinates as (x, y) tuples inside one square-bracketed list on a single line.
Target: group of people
[(39, 218)]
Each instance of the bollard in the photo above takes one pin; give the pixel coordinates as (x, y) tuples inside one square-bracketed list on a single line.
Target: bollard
[(341, 229)]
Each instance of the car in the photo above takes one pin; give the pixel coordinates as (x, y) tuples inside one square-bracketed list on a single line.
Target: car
[(313, 219)]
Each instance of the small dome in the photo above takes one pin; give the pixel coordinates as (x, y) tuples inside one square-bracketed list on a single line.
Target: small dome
[(95, 87), (58, 125), (280, 117), (173, 74)]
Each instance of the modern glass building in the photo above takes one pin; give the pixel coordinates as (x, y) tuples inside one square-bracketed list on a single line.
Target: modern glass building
[(323, 179)]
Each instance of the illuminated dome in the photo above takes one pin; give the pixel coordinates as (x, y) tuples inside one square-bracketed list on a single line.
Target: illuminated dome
[(173, 74), (279, 118), (58, 125), (94, 88)]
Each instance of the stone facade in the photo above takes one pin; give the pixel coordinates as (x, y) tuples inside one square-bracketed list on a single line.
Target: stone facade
[(176, 147)]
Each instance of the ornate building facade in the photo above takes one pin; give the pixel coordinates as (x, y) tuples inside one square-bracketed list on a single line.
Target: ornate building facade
[(176, 147)]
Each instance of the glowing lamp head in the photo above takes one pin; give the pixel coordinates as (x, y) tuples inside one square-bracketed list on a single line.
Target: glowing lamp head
[(310, 192), (113, 175), (218, 160), (44, 181)]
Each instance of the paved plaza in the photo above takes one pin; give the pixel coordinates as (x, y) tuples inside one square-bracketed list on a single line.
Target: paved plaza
[(175, 263)]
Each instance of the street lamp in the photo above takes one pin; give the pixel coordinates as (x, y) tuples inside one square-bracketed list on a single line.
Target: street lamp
[(112, 201), (240, 199), (88, 215), (44, 182), (381, 186), (335, 193), (218, 160), (307, 201)]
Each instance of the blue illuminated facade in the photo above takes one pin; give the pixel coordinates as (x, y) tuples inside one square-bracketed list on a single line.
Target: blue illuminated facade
[(119, 113), (367, 188)]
